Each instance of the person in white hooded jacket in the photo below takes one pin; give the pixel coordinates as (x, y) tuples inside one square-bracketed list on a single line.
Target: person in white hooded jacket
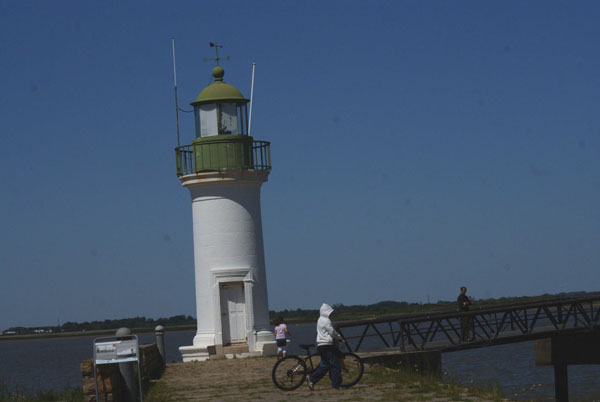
[(330, 355)]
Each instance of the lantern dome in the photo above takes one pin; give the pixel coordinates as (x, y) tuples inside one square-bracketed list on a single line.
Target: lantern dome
[(219, 91)]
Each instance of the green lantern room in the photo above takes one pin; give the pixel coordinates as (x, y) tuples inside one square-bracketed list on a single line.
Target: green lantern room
[(222, 141), (220, 109)]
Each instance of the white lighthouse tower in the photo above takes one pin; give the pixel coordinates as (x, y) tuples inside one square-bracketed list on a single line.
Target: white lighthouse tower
[(224, 169)]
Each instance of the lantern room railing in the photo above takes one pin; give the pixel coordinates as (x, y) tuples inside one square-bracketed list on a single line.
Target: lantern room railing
[(222, 156)]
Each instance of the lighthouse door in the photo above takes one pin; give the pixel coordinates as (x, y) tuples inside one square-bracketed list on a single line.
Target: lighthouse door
[(233, 312)]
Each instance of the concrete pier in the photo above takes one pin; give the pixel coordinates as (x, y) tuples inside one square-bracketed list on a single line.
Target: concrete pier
[(564, 350)]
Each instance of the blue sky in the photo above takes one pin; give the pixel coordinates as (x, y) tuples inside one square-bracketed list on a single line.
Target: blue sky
[(417, 146)]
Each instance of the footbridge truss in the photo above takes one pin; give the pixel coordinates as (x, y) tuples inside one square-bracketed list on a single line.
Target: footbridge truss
[(451, 331)]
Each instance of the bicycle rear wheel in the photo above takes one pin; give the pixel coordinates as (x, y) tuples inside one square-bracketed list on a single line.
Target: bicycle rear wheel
[(289, 373), (352, 369)]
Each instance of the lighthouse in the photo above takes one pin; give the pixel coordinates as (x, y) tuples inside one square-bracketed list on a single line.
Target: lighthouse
[(223, 169)]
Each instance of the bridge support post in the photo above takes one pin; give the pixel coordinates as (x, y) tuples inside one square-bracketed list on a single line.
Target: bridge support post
[(564, 349), (561, 382)]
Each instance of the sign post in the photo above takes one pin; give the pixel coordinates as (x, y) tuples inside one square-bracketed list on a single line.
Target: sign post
[(114, 350)]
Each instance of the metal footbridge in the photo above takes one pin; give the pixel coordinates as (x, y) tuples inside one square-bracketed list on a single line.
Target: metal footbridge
[(444, 331), (566, 331)]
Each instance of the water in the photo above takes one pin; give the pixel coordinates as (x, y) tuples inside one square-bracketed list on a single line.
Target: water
[(513, 367), (54, 364)]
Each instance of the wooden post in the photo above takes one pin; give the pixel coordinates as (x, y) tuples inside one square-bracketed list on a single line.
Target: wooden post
[(561, 382)]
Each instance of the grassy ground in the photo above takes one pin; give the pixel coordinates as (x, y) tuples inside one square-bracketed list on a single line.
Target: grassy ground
[(250, 379), (66, 395)]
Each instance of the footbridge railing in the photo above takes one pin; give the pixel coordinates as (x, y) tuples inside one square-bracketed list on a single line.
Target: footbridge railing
[(448, 331)]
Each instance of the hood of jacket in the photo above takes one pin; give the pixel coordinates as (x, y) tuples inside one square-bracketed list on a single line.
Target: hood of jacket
[(326, 310)]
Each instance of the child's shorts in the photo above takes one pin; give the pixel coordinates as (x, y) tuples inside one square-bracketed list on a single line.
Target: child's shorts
[(281, 343)]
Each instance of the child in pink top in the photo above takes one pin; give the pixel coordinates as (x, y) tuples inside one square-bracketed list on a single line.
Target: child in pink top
[(280, 337)]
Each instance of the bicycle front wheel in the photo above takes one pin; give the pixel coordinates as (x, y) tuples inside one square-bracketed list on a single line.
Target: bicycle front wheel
[(352, 369), (289, 373)]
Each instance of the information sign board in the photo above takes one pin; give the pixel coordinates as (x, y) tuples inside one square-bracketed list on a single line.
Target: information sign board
[(116, 351), (112, 350)]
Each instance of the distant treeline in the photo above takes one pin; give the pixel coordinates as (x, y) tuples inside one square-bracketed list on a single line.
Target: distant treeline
[(392, 308), (342, 312), (136, 322)]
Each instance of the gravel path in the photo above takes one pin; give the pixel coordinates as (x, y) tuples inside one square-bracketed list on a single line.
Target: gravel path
[(250, 380)]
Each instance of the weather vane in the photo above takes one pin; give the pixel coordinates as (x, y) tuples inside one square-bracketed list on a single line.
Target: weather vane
[(216, 59)]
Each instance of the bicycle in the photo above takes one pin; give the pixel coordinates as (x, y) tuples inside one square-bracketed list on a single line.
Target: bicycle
[(291, 371)]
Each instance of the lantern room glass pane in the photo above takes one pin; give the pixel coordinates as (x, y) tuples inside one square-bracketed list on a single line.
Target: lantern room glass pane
[(243, 120), (208, 120), (228, 118), (197, 121)]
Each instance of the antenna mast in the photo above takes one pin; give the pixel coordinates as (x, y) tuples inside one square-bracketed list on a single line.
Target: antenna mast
[(175, 80), (251, 98)]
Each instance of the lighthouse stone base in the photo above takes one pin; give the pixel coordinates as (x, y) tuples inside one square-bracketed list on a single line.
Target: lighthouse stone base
[(264, 345), (194, 353)]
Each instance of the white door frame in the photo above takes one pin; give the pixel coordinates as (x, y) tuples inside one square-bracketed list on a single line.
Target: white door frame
[(224, 275)]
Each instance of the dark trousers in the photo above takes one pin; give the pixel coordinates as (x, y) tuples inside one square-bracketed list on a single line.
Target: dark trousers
[(329, 362), (465, 324)]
